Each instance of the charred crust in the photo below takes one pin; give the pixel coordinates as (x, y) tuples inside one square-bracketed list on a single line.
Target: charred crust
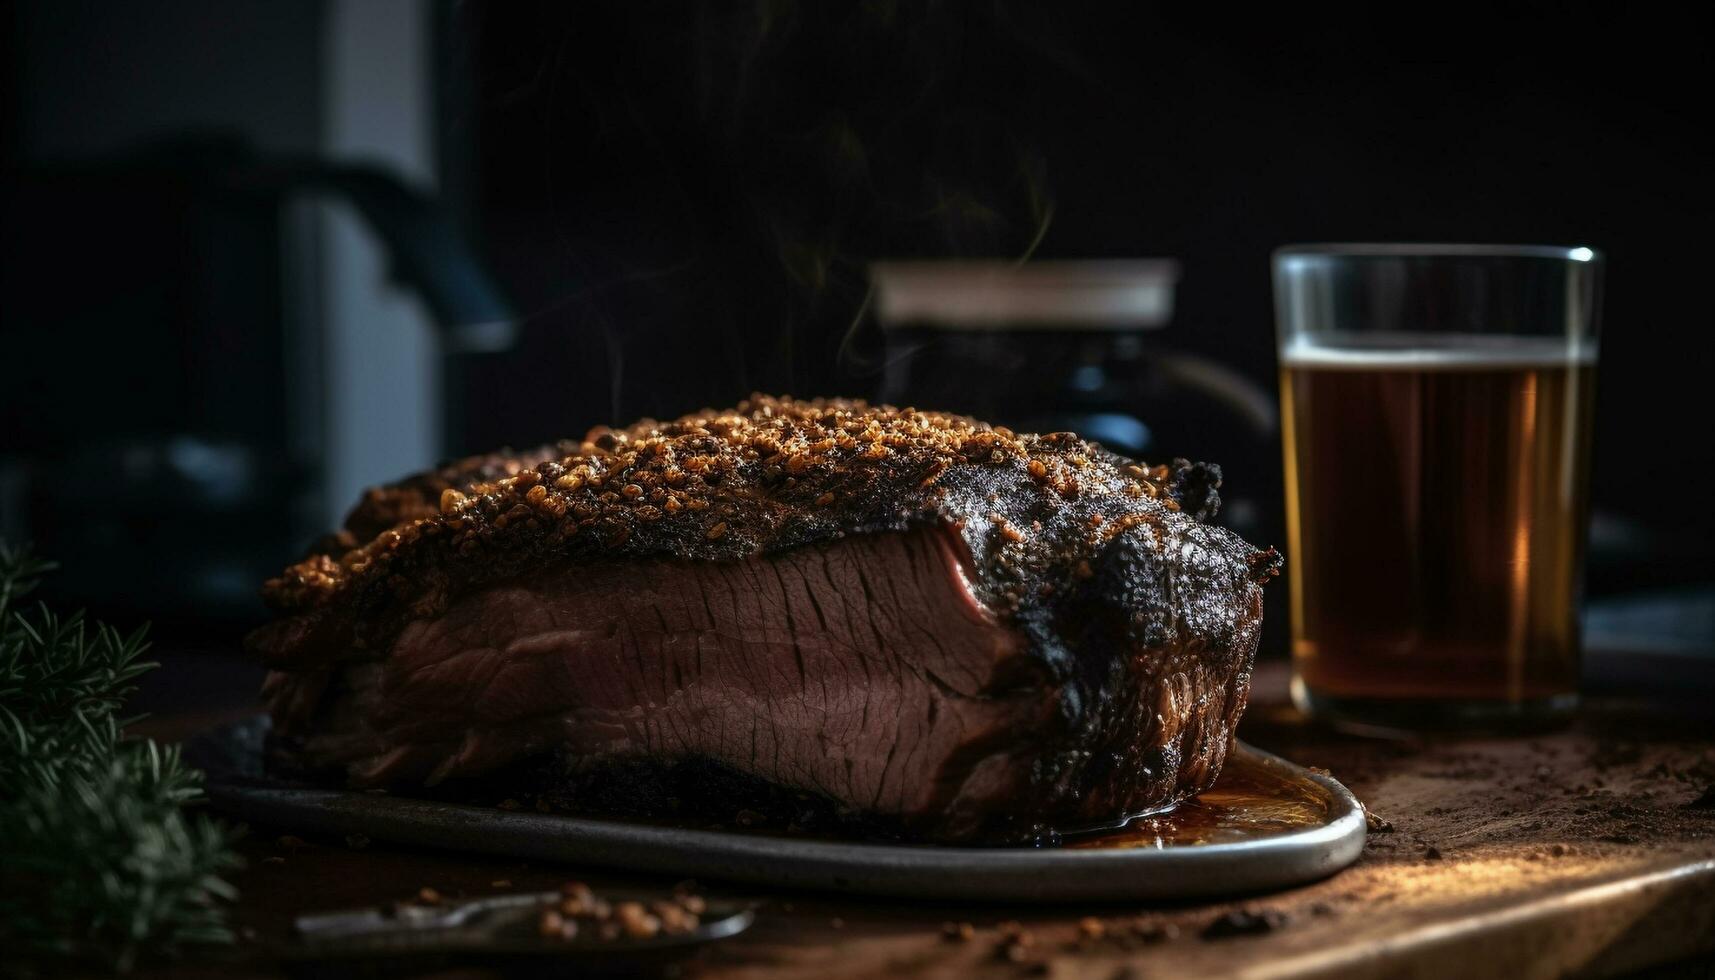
[(1195, 486), (422, 496), (1265, 564), (767, 475)]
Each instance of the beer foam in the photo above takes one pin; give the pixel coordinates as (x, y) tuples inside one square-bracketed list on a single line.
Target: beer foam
[(1429, 352)]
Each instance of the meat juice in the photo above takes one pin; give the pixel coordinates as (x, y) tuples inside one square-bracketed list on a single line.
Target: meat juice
[(1436, 506)]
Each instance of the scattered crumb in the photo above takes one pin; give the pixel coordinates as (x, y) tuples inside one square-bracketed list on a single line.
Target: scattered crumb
[(636, 921), (582, 911), (551, 925), (1155, 932), (1015, 943), (1244, 922), (962, 932)]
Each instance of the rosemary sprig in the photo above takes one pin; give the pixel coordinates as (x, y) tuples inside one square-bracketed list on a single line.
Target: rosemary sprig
[(98, 860)]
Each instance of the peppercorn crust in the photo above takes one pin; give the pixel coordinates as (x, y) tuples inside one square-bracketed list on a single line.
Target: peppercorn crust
[(724, 485), (418, 497)]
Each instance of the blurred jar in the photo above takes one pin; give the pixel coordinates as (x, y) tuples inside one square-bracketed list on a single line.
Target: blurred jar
[(1069, 346)]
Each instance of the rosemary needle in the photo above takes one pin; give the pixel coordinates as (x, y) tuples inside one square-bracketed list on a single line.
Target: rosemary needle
[(99, 862)]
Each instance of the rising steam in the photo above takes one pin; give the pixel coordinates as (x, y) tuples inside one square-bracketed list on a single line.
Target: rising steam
[(767, 153)]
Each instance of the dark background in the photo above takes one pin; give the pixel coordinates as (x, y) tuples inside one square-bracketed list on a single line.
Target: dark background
[(680, 202), (651, 186)]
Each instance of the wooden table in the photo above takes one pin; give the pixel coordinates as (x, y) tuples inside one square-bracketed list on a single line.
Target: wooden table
[(1589, 851)]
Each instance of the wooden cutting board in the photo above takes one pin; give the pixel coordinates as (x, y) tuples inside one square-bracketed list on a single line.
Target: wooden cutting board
[(1589, 851), (1585, 852)]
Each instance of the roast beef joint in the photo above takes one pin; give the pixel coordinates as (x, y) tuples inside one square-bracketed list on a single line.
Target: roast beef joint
[(920, 621)]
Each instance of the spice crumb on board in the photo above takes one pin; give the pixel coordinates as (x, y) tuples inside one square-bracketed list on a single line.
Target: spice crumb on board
[(581, 912), (1244, 922), (1016, 942), (551, 924), (962, 932), (636, 921)]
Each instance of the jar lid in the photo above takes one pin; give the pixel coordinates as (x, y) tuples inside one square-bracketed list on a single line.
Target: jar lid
[(1102, 294)]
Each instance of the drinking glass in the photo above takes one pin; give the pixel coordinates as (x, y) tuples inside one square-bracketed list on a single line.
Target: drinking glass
[(1436, 405)]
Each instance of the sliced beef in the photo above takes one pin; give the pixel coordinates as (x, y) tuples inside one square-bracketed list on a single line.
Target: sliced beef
[(966, 634)]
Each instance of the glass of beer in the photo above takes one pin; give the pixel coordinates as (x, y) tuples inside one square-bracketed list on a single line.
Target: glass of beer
[(1436, 404)]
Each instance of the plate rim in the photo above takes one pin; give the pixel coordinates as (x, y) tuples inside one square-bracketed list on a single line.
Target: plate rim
[(919, 871)]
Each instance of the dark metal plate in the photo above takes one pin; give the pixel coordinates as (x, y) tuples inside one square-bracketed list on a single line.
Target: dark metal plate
[(1266, 824)]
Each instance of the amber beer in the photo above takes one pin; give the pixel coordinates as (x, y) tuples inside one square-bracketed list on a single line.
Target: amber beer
[(1436, 514)]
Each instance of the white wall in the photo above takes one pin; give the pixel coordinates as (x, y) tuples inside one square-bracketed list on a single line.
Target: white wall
[(381, 416)]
